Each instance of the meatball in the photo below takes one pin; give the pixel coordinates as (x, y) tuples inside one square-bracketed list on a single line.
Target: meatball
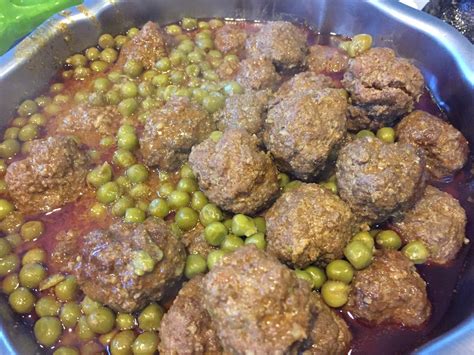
[(195, 243), (303, 132), (325, 59), (257, 304), (228, 69), (379, 180), (171, 132), (305, 82), (280, 41), (246, 111), (445, 148), (390, 290), (187, 328), (257, 73), (308, 224), (129, 265), (147, 46), (53, 174), (230, 39), (234, 173), (382, 88), (439, 221)]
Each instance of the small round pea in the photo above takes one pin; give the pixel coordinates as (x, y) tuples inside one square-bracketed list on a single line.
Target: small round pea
[(215, 233), (261, 224), (360, 44), (102, 84), (243, 225), (163, 64), (101, 320), (330, 185), (134, 215), (31, 275), (121, 205), (145, 344), (195, 264), (166, 189), (303, 275), (186, 218), (128, 106), (213, 102), (340, 270), (21, 300), (146, 89), (8, 264), (35, 255), (3, 167), (38, 119), (189, 23), (11, 133), (137, 173), (9, 148), (335, 293), (358, 254), (140, 191), (89, 305), (283, 179), (133, 68), (318, 276), (69, 314), (214, 256), (231, 243), (173, 30), (129, 89), (27, 108), (193, 70), (186, 172), (66, 350), (120, 40), (388, 239), (98, 210), (15, 240), (100, 175), (92, 53), (228, 224), (143, 205), (366, 238), (109, 55), (215, 23), (187, 185), (10, 283), (161, 80), (106, 41), (121, 344), (178, 199), (5, 208), (123, 158), (365, 133), (47, 306), (19, 122), (47, 330), (83, 331), (258, 239), (125, 321), (210, 213), (291, 185), (158, 208), (416, 251), (233, 88), (5, 247), (108, 193), (132, 32), (99, 66), (198, 200), (66, 290), (150, 317), (386, 134)]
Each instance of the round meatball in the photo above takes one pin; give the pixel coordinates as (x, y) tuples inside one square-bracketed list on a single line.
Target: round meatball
[(230, 39), (308, 224), (280, 41), (257, 304), (325, 59), (228, 69), (445, 148), (246, 111), (390, 290), (234, 173), (382, 88), (129, 265), (195, 243), (171, 132), (303, 132), (257, 73), (187, 327), (439, 221), (379, 180), (53, 174)]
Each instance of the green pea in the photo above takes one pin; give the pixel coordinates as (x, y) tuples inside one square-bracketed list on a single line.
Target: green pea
[(228, 224), (243, 225), (145, 344), (358, 254), (388, 239), (123, 158), (132, 32), (365, 133), (66, 350), (186, 172), (210, 213), (98, 210), (38, 119), (5, 247), (96, 99), (158, 208), (109, 55), (416, 251), (11, 133), (215, 233), (99, 66), (80, 97), (134, 215), (66, 290), (195, 57), (8, 264), (340, 270), (101, 320), (214, 257), (140, 191), (318, 276), (365, 238), (233, 88), (386, 134), (15, 240), (121, 344), (108, 192), (187, 185), (146, 89), (163, 64), (106, 41), (166, 189), (100, 175), (173, 30), (231, 243), (128, 106), (161, 80), (189, 23), (121, 205), (3, 187), (102, 84), (186, 218), (70, 314), (42, 101), (199, 94), (10, 283), (83, 331), (35, 255), (27, 108), (360, 44), (31, 275), (137, 173), (303, 275), (330, 185), (89, 305), (129, 89), (198, 200), (143, 205), (203, 25), (216, 136), (195, 264), (261, 224), (47, 330), (150, 317), (125, 321), (335, 293), (193, 70), (47, 306), (9, 148), (133, 68), (21, 300), (205, 43), (291, 185), (258, 239), (92, 53), (169, 92), (178, 199)]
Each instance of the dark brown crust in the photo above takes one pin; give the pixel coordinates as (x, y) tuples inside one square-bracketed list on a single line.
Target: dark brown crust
[(325, 59)]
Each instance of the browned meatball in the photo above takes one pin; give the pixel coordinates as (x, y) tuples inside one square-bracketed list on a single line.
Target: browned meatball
[(147, 46), (230, 39), (52, 175), (390, 290), (246, 111), (308, 224), (187, 328), (280, 41), (382, 88), (171, 132), (445, 148), (228, 69), (195, 243), (379, 180), (439, 221), (234, 173), (325, 59), (257, 73), (257, 304), (110, 268), (302, 132)]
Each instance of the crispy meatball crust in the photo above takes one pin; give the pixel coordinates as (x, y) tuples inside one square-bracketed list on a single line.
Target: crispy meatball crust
[(439, 221), (305, 82), (230, 39), (379, 180), (171, 132), (303, 131), (382, 87), (187, 327), (234, 173), (445, 148), (390, 290), (308, 224), (325, 59), (257, 73)]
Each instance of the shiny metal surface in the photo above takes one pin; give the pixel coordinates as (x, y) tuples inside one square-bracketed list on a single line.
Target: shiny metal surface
[(445, 56)]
